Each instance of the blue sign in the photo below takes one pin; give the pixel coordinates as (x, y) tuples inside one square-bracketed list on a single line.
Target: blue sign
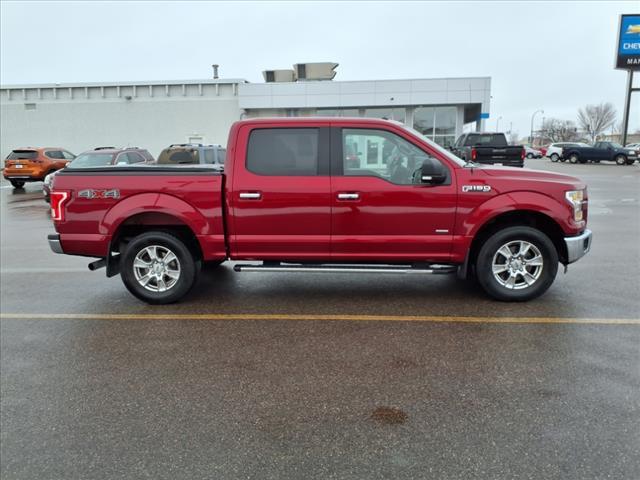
[(484, 115), (628, 54)]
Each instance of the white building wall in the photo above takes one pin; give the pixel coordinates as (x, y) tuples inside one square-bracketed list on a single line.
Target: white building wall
[(148, 116)]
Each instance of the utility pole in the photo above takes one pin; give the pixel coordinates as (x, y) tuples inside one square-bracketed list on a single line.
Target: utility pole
[(627, 105)]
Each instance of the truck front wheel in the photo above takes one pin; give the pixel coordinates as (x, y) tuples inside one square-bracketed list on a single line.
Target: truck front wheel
[(158, 268), (517, 264), (621, 159)]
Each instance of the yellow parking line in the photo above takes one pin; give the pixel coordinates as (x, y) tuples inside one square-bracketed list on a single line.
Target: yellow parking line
[(289, 316)]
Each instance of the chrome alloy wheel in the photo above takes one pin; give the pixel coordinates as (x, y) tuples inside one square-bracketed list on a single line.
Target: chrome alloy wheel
[(156, 268), (517, 265)]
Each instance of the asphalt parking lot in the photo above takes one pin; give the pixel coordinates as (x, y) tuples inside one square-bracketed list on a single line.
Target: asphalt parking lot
[(309, 376)]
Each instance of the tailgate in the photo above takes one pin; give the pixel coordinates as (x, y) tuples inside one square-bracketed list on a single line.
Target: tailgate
[(504, 155)]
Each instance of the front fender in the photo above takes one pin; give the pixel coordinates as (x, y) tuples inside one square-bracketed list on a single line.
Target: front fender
[(520, 200)]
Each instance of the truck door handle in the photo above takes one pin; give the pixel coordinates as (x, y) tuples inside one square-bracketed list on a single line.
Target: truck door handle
[(250, 195), (348, 196)]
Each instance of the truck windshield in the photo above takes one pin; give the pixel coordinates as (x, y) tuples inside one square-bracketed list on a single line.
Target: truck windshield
[(91, 160), (489, 139), (435, 146)]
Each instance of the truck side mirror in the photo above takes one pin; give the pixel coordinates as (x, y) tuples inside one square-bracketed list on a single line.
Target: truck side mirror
[(432, 172)]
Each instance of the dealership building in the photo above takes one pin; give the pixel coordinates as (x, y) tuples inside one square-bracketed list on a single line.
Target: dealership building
[(154, 114)]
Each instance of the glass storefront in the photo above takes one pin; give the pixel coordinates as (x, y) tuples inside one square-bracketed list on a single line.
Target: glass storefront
[(437, 123), (398, 114), (337, 112)]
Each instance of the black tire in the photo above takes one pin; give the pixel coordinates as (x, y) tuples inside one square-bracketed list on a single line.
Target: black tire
[(554, 157), (529, 155), (574, 158), (17, 183), (620, 159), (187, 268), (490, 254)]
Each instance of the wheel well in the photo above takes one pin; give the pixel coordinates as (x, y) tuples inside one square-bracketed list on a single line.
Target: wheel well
[(144, 222), (526, 218)]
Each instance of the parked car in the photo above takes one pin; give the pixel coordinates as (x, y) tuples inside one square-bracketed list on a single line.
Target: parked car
[(636, 147), (532, 152), (543, 150), (32, 164), (599, 151), (47, 184), (488, 148), (104, 156), (290, 197), (192, 153), (554, 151)]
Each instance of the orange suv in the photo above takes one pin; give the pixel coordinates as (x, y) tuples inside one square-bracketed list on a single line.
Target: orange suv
[(32, 164)]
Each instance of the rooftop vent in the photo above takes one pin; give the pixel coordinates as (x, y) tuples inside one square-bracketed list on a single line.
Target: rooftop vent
[(271, 76), (315, 71)]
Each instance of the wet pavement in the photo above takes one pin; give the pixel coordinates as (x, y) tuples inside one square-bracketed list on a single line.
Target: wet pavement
[(259, 387)]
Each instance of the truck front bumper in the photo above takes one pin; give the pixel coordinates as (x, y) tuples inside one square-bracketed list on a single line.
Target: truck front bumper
[(54, 243), (578, 247)]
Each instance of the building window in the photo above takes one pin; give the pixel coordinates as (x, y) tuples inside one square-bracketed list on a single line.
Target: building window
[(398, 114), (423, 120), (283, 151), (437, 123), (338, 112), (29, 106)]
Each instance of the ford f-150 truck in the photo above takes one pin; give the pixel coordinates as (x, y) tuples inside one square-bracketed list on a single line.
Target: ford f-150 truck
[(488, 148), (363, 196)]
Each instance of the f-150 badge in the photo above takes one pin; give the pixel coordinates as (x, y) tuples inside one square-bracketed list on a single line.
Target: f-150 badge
[(92, 194), (476, 188)]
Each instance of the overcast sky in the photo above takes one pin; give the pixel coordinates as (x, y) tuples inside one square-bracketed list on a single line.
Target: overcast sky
[(555, 56)]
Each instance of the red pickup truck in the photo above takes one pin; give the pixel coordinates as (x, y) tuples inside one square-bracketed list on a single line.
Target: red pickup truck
[(323, 195)]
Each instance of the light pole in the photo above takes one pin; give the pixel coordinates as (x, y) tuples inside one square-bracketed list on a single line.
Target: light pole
[(532, 117), (498, 123)]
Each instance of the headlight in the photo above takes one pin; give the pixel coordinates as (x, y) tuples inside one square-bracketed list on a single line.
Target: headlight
[(575, 199)]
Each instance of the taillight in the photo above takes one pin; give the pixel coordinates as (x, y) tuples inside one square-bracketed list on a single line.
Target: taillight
[(474, 154), (522, 154), (58, 198)]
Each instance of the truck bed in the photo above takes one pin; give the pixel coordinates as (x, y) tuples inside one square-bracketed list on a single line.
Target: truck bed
[(110, 199)]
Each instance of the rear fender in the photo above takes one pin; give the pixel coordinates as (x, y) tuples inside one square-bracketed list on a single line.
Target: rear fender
[(154, 203)]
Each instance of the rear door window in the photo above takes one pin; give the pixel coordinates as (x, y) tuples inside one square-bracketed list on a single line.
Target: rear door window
[(283, 151), (54, 154), (134, 157), (22, 155)]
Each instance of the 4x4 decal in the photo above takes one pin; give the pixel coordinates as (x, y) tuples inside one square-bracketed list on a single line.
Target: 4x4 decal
[(93, 194)]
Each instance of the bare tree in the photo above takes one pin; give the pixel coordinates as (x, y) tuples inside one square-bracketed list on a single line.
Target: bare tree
[(595, 119), (556, 130)]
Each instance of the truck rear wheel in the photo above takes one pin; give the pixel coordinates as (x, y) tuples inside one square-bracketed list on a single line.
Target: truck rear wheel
[(554, 157), (158, 268), (574, 158), (517, 264), (17, 183)]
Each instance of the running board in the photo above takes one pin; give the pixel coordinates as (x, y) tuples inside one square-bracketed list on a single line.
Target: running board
[(348, 268)]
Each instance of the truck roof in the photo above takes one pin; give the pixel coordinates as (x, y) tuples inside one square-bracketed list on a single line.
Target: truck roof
[(374, 121)]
